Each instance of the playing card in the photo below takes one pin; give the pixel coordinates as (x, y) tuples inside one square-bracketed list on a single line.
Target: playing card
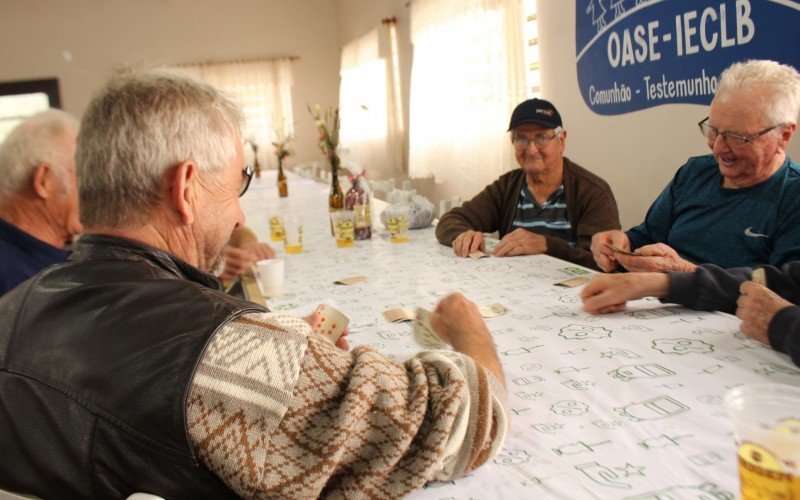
[(492, 310), (623, 252), (572, 282), (351, 280), (398, 315), (759, 276), (477, 254), (330, 322), (423, 333)]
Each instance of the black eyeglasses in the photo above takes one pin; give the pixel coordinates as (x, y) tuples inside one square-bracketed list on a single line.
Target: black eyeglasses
[(247, 174), (732, 138)]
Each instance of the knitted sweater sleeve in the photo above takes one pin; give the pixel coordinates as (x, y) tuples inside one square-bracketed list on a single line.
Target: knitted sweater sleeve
[(276, 410)]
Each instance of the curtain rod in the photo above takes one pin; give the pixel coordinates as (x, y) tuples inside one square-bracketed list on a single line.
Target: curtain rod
[(239, 61)]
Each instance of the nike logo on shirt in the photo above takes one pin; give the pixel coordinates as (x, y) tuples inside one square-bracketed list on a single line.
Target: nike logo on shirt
[(749, 232)]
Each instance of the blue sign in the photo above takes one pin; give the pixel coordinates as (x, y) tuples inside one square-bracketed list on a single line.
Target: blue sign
[(636, 54)]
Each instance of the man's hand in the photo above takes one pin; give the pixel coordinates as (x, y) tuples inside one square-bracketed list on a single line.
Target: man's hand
[(520, 242), (468, 242), (238, 259), (608, 293), (458, 322), (606, 258), (655, 257), (342, 344), (757, 305)]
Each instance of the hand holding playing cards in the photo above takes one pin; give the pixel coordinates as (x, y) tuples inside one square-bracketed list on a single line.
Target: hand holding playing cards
[(757, 305), (655, 257), (601, 249), (520, 242), (608, 293), (458, 322), (314, 320), (468, 242)]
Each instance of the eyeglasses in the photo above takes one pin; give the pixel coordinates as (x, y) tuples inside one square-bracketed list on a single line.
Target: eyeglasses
[(247, 174), (539, 140), (732, 138)]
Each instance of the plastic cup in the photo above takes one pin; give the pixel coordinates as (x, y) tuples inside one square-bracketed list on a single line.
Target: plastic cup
[(766, 424), (343, 227), (270, 276), (397, 223), (293, 233), (276, 232)]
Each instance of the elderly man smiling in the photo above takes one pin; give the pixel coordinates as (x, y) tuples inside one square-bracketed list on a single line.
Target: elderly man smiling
[(550, 205), (740, 205)]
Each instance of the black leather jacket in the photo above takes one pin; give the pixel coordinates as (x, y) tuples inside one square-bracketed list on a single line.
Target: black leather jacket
[(96, 358)]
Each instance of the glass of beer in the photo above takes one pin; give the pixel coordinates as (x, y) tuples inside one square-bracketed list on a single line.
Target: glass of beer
[(397, 222), (343, 227), (766, 425), (293, 233)]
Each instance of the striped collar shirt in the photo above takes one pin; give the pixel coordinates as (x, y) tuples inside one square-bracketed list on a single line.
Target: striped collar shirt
[(549, 219)]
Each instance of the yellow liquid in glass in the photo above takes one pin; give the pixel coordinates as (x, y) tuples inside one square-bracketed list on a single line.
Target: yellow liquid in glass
[(399, 239), (344, 243), (293, 248), (761, 477)]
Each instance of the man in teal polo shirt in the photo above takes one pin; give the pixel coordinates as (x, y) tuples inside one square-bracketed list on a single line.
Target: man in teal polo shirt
[(38, 196)]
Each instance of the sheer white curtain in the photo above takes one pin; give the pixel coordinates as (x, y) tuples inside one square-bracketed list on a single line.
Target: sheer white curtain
[(467, 76), (263, 87), (370, 134)]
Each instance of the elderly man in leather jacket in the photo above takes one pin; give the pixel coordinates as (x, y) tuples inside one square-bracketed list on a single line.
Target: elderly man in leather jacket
[(126, 369)]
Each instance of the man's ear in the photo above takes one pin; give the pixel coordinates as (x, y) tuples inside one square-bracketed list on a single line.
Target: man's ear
[(42, 181), (786, 134), (182, 190)]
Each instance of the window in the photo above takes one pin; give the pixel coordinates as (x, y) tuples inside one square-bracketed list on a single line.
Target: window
[(19, 100), (467, 77), (532, 64), (263, 88), (372, 130)]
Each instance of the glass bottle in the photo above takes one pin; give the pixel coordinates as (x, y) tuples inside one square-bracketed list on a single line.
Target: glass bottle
[(256, 166), (336, 198), (283, 186), (357, 199)]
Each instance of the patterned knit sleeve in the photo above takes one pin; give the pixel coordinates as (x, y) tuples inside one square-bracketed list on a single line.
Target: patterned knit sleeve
[(328, 423)]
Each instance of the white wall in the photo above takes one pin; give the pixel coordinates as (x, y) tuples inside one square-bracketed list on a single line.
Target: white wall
[(102, 34), (636, 153)]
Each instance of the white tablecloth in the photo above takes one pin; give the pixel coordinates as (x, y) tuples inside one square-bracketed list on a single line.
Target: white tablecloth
[(626, 405)]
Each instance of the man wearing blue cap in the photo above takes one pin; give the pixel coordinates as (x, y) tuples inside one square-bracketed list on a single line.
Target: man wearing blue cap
[(550, 205)]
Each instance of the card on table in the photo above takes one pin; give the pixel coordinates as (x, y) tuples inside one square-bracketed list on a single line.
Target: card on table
[(573, 282), (760, 276), (399, 315), (351, 280), (477, 254), (331, 322), (492, 310)]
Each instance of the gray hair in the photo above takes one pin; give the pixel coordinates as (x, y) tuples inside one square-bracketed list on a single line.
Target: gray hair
[(36, 140), (139, 126), (781, 82)]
